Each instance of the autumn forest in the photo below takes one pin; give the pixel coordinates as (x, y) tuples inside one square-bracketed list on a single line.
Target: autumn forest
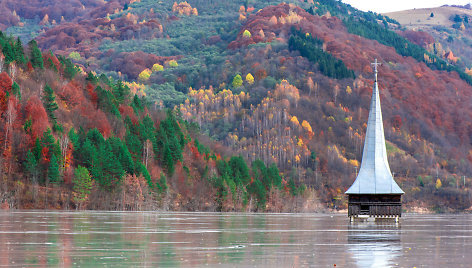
[(209, 105)]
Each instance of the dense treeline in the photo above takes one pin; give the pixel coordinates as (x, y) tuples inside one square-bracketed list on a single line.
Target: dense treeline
[(366, 24), (342, 10), (115, 142), (335, 109), (311, 48), (373, 30), (228, 68)]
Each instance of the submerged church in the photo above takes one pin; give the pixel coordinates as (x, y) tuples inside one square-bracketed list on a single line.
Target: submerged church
[(374, 193)]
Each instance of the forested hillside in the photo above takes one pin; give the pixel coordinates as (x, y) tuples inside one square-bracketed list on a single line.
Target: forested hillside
[(72, 139), (285, 87)]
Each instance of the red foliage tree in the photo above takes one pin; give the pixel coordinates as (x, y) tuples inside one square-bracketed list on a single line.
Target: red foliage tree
[(95, 119), (71, 94), (55, 61), (397, 122), (92, 94), (30, 66), (5, 88), (10, 123), (126, 110), (37, 114), (420, 38)]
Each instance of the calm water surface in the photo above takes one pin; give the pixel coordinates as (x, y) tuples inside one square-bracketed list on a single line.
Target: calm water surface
[(153, 239)]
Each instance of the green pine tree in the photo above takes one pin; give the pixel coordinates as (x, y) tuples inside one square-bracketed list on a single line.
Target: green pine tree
[(168, 160), (19, 52), (82, 185), (49, 100), (106, 101), (36, 56), (258, 189), (37, 149), (16, 90), (87, 153), (31, 166), (292, 187), (134, 144), (143, 170), (123, 154), (137, 104), (274, 175), (107, 169), (162, 183), (147, 128), (52, 65), (95, 137), (121, 92), (48, 140), (91, 78), (74, 138), (70, 70), (53, 170), (8, 52), (239, 170)]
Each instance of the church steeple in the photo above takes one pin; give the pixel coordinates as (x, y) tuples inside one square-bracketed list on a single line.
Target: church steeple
[(375, 64), (374, 175)]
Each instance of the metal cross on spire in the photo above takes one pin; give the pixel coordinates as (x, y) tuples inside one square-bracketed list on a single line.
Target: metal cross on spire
[(375, 64)]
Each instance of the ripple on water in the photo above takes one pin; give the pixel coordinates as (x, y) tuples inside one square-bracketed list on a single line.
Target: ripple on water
[(232, 239)]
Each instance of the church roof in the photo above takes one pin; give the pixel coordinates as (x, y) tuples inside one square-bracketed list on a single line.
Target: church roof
[(374, 175)]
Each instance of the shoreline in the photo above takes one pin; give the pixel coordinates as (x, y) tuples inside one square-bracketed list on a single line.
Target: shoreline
[(414, 211)]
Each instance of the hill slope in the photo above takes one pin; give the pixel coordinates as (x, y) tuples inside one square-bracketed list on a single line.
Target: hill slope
[(421, 17), (447, 34), (75, 140), (290, 84)]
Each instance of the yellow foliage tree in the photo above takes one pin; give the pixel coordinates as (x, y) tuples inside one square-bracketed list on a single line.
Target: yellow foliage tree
[(300, 143), (144, 75), (157, 67), (247, 34), (288, 91), (307, 126), (348, 90), (45, 20), (74, 55), (468, 71), (184, 8), (250, 79), (261, 33), (438, 183), (293, 18), (294, 120), (173, 63), (136, 88), (354, 162)]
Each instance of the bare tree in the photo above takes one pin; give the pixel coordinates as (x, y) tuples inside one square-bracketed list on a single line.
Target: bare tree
[(64, 144), (13, 71)]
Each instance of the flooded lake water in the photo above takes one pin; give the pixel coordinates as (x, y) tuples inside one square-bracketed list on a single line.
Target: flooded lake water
[(154, 239)]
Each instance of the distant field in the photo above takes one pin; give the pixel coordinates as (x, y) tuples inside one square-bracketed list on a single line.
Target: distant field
[(414, 18)]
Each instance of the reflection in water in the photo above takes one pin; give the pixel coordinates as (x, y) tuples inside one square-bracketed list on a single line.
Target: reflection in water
[(153, 239), (374, 244)]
